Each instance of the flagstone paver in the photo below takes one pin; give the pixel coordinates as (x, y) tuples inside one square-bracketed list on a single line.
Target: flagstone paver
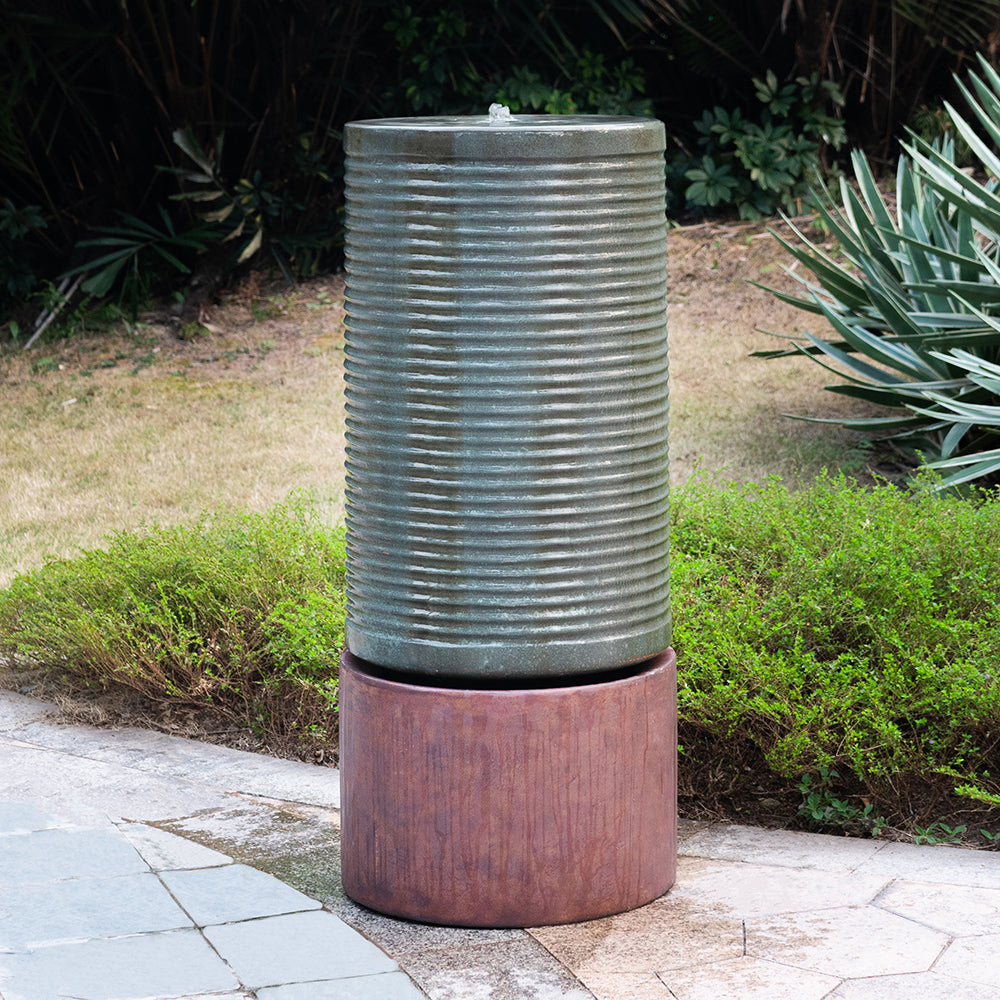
[(748, 979), (957, 910), (846, 942), (973, 959), (753, 890), (667, 934), (916, 986)]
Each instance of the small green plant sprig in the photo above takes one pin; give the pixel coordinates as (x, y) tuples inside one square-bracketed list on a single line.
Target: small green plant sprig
[(939, 833), (823, 810)]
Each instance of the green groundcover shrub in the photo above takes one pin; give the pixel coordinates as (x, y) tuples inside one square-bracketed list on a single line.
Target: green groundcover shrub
[(240, 612), (843, 629), (839, 640)]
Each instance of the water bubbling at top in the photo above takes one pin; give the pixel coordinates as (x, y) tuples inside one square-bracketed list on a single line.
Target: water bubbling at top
[(500, 114)]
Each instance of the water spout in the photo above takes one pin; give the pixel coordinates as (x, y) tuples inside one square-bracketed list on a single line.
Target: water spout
[(500, 114)]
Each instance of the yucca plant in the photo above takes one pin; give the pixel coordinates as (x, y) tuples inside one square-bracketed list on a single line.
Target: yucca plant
[(914, 297)]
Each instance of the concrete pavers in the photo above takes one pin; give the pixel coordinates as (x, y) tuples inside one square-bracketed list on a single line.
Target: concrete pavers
[(749, 979), (137, 865), (233, 893), (80, 908), (819, 917), (846, 942), (47, 855), (973, 959), (295, 948), (385, 986), (165, 964), (929, 985), (959, 911)]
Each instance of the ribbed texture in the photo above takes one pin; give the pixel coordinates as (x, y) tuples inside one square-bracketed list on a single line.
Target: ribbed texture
[(507, 415)]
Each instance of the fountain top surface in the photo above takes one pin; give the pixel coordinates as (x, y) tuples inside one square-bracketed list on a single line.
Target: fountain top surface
[(498, 135)]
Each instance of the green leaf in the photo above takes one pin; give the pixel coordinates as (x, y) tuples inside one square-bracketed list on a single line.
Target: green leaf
[(977, 466), (101, 283), (185, 139), (252, 247)]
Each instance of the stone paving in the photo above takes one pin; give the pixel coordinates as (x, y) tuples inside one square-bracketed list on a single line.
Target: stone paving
[(139, 866), (126, 911), (770, 915)]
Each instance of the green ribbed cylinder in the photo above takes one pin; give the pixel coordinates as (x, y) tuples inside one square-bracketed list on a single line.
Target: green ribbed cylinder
[(506, 381)]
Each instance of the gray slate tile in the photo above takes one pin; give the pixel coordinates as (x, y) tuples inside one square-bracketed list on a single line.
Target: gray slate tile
[(296, 948), (25, 817), (89, 791), (48, 855), (77, 909), (177, 758), (164, 851), (235, 892), (241, 995), (167, 964), (385, 986)]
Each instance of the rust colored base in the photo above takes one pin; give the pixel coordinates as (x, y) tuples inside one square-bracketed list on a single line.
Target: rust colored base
[(508, 808)]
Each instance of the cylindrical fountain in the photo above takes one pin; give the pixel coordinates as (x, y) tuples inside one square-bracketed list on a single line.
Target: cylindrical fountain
[(508, 747)]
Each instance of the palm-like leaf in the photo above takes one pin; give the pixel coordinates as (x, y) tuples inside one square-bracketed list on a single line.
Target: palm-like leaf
[(914, 295)]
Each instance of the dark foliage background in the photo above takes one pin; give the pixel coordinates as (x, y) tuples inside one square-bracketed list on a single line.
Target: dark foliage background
[(150, 145)]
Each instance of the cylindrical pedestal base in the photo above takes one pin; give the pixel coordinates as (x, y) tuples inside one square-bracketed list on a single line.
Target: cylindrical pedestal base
[(508, 808)]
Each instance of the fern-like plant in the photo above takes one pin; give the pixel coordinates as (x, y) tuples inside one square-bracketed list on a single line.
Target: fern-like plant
[(914, 296)]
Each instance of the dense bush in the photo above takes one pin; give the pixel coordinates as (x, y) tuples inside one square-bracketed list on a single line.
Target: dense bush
[(756, 166), (842, 629), (240, 612), (837, 640)]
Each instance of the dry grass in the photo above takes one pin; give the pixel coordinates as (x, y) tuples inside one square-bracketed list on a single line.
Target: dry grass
[(116, 432), (727, 409), (140, 427)]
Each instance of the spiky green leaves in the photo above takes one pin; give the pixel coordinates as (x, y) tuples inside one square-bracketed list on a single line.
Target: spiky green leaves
[(914, 295)]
